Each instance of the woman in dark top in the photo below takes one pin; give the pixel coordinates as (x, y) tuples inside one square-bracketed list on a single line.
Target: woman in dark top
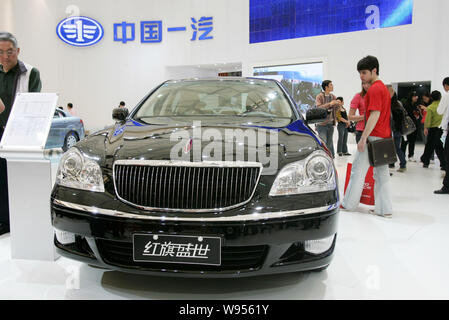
[(397, 112), (343, 124), (411, 106)]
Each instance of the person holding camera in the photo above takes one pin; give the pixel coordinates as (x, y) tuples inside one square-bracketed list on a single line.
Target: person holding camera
[(328, 101)]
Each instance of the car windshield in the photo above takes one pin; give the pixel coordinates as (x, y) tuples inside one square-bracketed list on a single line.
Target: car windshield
[(258, 98)]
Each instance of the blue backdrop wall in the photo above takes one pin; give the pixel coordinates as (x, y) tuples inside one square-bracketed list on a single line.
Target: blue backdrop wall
[(272, 20)]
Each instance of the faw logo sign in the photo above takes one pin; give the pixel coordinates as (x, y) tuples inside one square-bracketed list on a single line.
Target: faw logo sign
[(80, 31), (83, 31)]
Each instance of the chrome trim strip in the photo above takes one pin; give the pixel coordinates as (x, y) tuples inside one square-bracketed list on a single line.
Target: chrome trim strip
[(238, 218), (202, 164), (188, 164)]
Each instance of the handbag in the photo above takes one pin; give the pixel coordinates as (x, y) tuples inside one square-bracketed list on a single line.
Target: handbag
[(381, 152), (407, 126)]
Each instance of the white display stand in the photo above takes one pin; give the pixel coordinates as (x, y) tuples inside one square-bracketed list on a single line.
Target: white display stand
[(29, 176)]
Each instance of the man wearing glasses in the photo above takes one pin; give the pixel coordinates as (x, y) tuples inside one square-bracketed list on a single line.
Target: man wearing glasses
[(15, 76)]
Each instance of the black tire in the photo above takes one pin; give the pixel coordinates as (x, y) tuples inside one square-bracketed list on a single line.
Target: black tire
[(70, 137)]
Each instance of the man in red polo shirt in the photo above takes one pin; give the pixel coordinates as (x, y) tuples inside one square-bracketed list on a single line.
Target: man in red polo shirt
[(378, 114)]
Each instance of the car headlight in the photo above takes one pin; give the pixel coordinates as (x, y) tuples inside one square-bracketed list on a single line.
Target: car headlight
[(78, 172), (316, 173)]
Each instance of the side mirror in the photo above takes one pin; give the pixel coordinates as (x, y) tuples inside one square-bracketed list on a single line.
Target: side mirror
[(120, 114), (316, 115)]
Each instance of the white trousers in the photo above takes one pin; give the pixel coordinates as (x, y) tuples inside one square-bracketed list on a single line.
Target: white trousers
[(382, 186)]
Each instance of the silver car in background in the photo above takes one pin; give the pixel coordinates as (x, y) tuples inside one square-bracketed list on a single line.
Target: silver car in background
[(65, 131)]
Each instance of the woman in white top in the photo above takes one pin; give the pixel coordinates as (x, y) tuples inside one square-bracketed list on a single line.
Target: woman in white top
[(70, 110)]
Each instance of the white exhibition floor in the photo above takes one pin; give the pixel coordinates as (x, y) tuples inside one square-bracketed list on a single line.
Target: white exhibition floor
[(406, 257)]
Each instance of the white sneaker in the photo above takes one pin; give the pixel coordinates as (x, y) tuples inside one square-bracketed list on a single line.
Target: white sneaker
[(411, 159)]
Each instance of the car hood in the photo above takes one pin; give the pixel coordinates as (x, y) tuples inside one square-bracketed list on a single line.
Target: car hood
[(201, 139)]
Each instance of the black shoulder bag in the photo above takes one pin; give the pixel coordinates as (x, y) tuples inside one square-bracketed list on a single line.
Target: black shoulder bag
[(381, 152)]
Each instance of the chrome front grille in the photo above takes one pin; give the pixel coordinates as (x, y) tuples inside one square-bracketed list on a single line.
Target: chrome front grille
[(186, 186)]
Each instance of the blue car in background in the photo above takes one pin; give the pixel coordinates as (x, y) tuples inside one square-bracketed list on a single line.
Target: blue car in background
[(65, 131)]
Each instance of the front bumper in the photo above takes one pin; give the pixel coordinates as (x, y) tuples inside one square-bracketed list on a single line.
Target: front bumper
[(251, 245)]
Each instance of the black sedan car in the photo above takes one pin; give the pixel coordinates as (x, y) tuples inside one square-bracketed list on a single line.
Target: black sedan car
[(204, 178)]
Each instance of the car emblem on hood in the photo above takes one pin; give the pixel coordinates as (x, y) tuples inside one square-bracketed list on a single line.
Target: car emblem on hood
[(188, 146)]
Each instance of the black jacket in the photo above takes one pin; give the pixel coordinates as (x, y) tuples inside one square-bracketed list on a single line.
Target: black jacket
[(398, 116)]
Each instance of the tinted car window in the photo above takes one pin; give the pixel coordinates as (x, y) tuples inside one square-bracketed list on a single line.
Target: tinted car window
[(212, 98)]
